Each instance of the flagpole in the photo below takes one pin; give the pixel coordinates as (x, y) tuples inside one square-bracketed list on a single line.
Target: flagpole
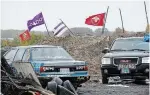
[(121, 20), (105, 20), (45, 25), (146, 17), (67, 27), (46, 28)]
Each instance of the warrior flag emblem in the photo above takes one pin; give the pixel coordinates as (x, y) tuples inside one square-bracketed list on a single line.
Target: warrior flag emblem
[(96, 20)]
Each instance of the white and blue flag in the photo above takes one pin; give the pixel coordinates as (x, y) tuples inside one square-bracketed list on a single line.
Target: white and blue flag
[(59, 29)]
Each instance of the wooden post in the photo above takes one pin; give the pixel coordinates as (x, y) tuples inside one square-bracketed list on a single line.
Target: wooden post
[(105, 20), (45, 25), (46, 28), (121, 20), (146, 17)]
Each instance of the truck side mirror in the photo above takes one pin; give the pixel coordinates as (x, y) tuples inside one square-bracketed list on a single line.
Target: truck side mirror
[(106, 50)]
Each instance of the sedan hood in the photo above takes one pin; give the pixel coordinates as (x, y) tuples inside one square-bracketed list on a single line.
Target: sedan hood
[(127, 54)]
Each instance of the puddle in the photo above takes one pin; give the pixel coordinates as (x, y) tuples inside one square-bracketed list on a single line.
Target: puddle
[(118, 85)]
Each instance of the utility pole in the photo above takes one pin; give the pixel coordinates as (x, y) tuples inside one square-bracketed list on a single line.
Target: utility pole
[(105, 20), (121, 20), (146, 17)]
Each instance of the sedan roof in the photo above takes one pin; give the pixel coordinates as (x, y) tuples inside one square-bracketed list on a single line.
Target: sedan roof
[(30, 46)]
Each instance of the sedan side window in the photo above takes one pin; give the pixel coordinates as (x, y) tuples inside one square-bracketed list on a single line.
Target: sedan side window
[(19, 54), (10, 55), (26, 55)]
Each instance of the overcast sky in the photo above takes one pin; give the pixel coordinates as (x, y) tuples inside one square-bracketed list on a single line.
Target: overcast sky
[(15, 14)]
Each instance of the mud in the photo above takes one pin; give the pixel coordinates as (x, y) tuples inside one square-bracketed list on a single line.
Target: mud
[(97, 88)]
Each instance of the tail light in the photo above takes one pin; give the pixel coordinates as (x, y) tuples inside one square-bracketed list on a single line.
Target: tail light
[(42, 69), (85, 68), (82, 68)]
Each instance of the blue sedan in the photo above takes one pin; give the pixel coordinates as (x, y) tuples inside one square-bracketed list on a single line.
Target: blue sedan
[(50, 61)]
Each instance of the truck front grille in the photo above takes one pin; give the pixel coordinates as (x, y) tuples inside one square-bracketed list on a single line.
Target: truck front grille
[(125, 60)]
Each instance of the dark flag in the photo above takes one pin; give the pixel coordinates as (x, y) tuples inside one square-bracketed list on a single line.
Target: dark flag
[(36, 21)]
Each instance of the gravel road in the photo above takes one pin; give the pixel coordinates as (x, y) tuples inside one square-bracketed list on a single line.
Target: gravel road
[(97, 88)]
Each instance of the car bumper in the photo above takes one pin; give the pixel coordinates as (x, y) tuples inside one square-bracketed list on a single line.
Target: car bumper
[(74, 77), (76, 80), (141, 71)]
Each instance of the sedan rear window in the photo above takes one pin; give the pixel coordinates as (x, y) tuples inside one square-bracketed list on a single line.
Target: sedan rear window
[(50, 53)]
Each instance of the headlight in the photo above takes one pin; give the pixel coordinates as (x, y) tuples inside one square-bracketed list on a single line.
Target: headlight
[(146, 60), (106, 61)]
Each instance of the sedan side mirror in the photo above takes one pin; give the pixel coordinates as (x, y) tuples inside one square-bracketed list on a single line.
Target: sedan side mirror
[(106, 50)]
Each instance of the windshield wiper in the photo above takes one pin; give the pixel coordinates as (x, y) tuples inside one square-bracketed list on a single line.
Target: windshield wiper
[(118, 50), (137, 50)]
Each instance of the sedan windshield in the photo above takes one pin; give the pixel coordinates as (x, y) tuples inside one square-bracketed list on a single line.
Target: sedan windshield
[(50, 53), (130, 45)]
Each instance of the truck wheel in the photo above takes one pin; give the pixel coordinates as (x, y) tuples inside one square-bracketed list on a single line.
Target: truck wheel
[(140, 80), (104, 79)]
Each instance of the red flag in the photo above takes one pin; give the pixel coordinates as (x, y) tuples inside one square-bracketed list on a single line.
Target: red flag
[(96, 20), (25, 36)]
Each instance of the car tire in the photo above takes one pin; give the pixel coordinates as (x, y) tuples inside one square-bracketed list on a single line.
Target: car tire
[(104, 79), (75, 85), (52, 86), (64, 91), (57, 80), (67, 84)]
